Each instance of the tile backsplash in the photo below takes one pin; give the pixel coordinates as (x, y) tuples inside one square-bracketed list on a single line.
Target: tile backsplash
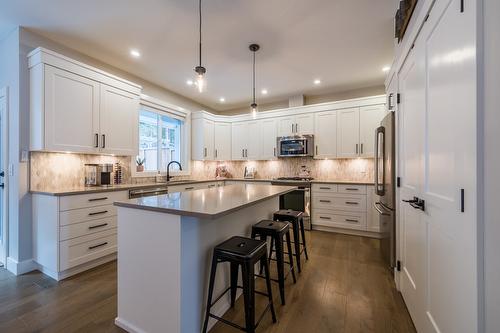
[(63, 170)]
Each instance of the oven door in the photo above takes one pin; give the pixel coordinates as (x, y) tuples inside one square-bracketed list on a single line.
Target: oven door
[(293, 146)]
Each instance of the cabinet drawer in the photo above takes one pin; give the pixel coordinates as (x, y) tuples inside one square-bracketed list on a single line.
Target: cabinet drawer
[(86, 228), (324, 188), (343, 202), (352, 189), (339, 219), (86, 214), (80, 250), (91, 200)]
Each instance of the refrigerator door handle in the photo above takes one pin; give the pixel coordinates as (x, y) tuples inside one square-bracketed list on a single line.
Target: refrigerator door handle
[(379, 188)]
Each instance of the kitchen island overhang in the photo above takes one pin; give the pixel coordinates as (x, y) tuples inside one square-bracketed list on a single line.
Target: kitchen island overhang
[(165, 246)]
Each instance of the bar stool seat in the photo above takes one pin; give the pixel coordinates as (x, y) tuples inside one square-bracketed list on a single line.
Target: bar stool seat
[(277, 231), (244, 252), (296, 218)]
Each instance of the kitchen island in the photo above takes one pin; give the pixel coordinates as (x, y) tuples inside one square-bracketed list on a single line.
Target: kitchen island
[(165, 246)]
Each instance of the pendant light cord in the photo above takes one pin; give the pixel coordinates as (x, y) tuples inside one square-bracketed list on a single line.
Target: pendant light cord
[(199, 8), (254, 77)]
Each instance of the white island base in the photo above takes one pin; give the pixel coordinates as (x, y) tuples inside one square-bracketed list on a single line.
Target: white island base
[(164, 262)]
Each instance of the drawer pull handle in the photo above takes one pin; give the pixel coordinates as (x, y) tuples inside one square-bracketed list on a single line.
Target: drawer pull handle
[(324, 201), (97, 226), (189, 188), (98, 213), (350, 220), (325, 188), (98, 199), (211, 185), (98, 245), (351, 203), (325, 218), (352, 189)]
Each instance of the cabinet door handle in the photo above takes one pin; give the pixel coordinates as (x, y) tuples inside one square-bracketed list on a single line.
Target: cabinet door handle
[(325, 188), (325, 201), (96, 140), (316, 149), (243, 153), (211, 185), (98, 213), (274, 151), (103, 141), (98, 245), (97, 226), (216, 153), (292, 128), (351, 203), (98, 199), (351, 220), (325, 218), (361, 148), (356, 148), (189, 188), (351, 189)]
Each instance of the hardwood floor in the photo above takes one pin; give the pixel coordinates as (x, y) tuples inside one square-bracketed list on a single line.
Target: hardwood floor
[(344, 287)]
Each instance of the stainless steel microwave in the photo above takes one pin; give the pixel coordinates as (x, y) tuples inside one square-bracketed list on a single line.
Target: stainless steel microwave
[(295, 146)]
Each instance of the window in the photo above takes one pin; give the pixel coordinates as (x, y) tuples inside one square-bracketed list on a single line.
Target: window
[(160, 139)]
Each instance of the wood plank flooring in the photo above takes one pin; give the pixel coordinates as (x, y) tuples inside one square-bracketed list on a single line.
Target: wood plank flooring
[(344, 287)]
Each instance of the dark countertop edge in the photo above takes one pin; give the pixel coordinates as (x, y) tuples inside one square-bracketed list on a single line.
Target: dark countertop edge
[(127, 187), (198, 214)]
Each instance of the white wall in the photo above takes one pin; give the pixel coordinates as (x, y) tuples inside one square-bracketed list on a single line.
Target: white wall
[(492, 164)]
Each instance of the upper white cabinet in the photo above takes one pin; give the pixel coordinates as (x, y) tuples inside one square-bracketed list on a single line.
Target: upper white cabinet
[(78, 108), (203, 139), (369, 120), (356, 130), (222, 141), (296, 125), (269, 135), (246, 140), (348, 133), (325, 138)]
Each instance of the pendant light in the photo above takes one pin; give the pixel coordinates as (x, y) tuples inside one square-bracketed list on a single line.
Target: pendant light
[(200, 70), (254, 48)]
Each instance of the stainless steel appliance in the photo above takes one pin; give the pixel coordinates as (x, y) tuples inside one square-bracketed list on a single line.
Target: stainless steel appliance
[(98, 174), (147, 192), (295, 146), (385, 187), (299, 199)]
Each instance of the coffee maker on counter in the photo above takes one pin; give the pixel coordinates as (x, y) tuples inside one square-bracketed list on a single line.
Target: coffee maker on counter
[(98, 174)]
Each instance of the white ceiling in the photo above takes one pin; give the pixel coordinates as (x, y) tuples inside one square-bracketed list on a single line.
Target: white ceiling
[(345, 43)]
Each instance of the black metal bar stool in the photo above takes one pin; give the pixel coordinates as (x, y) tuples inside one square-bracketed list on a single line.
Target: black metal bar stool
[(297, 220), (244, 252), (277, 231)]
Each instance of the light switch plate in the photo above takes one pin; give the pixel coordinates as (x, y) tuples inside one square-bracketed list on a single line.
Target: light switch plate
[(24, 156)]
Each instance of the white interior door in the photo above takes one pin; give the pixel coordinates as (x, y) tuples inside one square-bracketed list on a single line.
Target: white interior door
[(450, 167), (413, 227), (3, 176)]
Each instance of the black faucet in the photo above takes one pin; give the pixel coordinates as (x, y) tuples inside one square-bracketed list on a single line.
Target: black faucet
[(168, 169)]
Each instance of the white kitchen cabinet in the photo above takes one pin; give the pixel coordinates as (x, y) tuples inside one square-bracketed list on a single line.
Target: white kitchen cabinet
[(269, 135), (78, 108), (202, 139), (118, 122), (325, 138), (369, 120), (222, 141), (296, 125), (246, 140), (71, 104), (348, 133)]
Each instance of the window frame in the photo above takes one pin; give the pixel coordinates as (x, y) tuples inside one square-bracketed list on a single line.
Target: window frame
[(151, 104)]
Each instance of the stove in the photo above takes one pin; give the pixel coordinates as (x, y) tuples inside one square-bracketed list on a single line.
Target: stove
[(300, 199)]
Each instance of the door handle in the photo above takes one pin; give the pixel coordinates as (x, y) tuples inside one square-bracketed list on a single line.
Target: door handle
[(103, 141), (416, 203), (2, 185), (316, 149), (361, 148), (274, 151), (376, 206), (356, 148), (96, 140), (2, 174)]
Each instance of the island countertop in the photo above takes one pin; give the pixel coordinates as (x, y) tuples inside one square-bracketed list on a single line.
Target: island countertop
[(210, 203)]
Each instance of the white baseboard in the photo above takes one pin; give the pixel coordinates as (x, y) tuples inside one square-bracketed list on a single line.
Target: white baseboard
[(353, 232), (75, 270), (127, 326), (22, 267)]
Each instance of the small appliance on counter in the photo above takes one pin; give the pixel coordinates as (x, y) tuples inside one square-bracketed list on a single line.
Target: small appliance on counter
[(221, 172), (118, 173), (250, 173), (98, 174)]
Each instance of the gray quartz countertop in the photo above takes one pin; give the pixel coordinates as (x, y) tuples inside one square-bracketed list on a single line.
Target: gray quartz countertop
[(125, 187), (209, 203)]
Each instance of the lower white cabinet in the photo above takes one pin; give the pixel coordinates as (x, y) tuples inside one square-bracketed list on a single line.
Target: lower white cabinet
[(74, 233), (344, 206), (194, 186)]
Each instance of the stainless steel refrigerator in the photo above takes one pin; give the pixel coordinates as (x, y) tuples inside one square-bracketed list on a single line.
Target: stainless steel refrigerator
[(385, 187)]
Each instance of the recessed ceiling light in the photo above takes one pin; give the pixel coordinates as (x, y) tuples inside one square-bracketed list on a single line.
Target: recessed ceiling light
[(189, 82), (264, 91), (135, 53), (317, 81), (386, 68), (222, 99)]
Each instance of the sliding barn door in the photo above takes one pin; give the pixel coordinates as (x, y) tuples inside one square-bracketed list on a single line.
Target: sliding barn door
[(438, 159)]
